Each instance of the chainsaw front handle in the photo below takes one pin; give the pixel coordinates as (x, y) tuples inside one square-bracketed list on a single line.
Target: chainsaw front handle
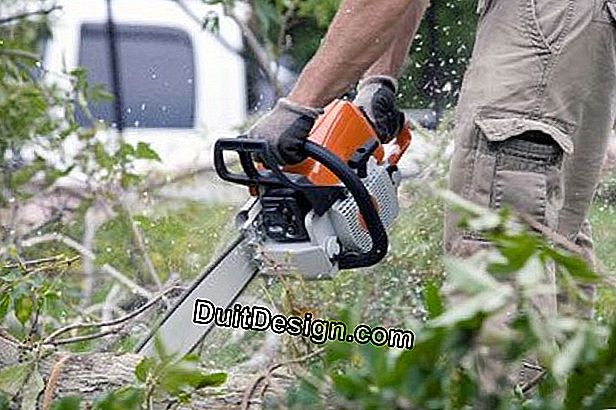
[(363, 199), (250, 150)]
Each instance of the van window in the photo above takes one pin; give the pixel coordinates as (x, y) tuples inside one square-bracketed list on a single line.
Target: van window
[(157, 74)]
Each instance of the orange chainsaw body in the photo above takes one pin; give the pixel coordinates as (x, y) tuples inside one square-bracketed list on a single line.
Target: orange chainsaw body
[(343, 129)]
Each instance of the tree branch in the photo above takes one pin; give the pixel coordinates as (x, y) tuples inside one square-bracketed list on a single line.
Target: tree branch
[(140, 244), (19, 53), (261, 55), (51, 338), (566, 244), (114, 273), (60, 259), (21, 16), (84, 338), (265, 375)]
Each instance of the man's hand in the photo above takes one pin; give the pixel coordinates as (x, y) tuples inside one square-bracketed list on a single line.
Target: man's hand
[(285, 128), (377, 99)]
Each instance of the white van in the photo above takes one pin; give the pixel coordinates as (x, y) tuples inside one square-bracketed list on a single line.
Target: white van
[(182, 86)]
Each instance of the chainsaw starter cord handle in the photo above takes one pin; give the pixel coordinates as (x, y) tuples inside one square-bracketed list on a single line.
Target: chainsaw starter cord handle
[(364, 201)]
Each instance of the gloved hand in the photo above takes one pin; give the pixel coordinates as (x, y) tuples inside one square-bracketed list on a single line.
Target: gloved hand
[(376, 97), (285, 128)]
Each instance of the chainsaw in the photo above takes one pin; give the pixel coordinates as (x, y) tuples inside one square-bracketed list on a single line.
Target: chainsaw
[(325, 214)]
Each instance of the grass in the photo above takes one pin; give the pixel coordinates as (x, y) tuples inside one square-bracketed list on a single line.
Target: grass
[(179, 241), (603, 219)]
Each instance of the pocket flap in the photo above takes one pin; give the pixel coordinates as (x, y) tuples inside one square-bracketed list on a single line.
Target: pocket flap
[(500, 129)]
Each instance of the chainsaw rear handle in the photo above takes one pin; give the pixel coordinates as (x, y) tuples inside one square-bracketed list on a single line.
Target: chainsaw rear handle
[(250, 149)]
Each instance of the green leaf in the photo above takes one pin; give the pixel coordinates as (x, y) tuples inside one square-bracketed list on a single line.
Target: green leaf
[(128, 398), (5, 302), (125, 151), (129, 180), (4, 402), (567, 359), (486, 302), (516, 249), (575, 265), (347, 386), (31, 390), (164, 357), (26, 173), (337, 351), (432, 300), (67, 403), (101, 156), (23, 308), (209, 380), (144, 151), (469, 275), (177, 377), (98, 93), (13, 378), (143, 368)]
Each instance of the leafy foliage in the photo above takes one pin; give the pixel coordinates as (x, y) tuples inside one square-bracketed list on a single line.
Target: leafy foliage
[(442, 369), (27, 292)]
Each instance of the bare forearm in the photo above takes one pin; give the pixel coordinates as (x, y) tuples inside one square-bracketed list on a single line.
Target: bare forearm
[(392, 61), (361, 33)]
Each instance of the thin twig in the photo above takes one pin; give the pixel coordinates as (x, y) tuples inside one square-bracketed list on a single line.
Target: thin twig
[(533, 382), (60, 259), (179, 177), (201, 22), (140, 244), (88, 254), (84, 338), (567, 244), (19, 53), (21, 16), (50, 339), (270, 370), (259, 52)]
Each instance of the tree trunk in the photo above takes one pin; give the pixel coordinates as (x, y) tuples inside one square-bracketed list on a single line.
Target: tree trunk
[(89, 375)]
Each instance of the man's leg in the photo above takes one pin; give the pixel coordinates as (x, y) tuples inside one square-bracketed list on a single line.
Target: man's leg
[(544, 66)]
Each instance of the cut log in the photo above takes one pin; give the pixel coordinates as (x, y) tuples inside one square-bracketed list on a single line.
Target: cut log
[(90, 375)]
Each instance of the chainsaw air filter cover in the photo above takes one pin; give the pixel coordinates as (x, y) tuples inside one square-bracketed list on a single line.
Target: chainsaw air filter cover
[(382, 184)]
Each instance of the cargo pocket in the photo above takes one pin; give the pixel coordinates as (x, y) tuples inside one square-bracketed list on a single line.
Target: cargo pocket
[(523, 175), (519, 183), (502, 170)]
